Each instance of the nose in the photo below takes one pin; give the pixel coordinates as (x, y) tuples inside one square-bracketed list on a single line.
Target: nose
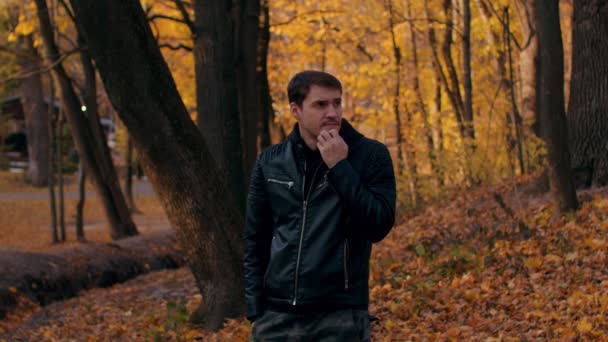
[(333, 111)]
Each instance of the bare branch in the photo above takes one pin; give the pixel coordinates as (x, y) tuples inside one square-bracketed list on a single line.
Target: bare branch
[(162, 16), (46, 69), (68, 10), (185, 15), (175, 47), (292, 19)]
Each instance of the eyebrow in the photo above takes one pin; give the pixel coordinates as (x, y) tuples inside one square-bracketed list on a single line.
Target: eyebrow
[(328, 100)]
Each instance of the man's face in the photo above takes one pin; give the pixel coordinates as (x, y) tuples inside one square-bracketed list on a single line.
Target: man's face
[(321, 111)]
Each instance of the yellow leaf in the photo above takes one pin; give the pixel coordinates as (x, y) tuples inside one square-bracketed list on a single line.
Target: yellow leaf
[(584, 326), (12, 37)]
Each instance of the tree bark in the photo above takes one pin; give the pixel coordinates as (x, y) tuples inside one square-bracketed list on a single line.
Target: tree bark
[(467, 82), (551, 105), (266, 119), (51, 151), (428, 134), (80, 204), (247, 25), (177, 161), (528, 65), (36, 114), (129, 175), (405, 159), (216, 91), (588, 108), (101, 170), (60, 176)]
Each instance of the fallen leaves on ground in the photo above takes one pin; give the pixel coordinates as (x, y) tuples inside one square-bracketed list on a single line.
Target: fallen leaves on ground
[(465, 269)]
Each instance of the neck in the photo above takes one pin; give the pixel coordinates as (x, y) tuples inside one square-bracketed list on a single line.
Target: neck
[(309, 140)]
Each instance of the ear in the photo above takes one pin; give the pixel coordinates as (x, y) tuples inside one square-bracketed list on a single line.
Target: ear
[(296, 111)]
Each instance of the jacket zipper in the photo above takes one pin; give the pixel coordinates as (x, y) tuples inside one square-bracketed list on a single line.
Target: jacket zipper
[(304, 207), (346, 264), (289, 184)]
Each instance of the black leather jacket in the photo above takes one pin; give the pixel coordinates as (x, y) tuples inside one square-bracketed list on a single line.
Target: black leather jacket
[(314, 251)]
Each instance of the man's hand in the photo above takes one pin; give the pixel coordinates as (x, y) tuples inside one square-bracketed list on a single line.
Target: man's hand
[(332, 147)]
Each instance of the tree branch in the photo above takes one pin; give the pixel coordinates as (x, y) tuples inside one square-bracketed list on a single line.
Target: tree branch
[(162, 16), (175, 47), (292, 19), (46, 69), (185, 15)]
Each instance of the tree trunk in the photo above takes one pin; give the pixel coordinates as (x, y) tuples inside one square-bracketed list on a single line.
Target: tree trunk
[(129, 176), (266, 119), (100, 168), (51, 151), (405, 159), (551, 105), (588, 108), (428, 134), (528, 65), (60, 176), (217, 105), (36, 114), (247, 29), (178, 161), (80, 203), (466, 73)]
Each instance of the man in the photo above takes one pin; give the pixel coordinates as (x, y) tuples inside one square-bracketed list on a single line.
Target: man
[(316, 203)]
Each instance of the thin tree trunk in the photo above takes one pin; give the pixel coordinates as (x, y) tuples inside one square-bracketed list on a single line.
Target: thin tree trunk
[(551, 105), (266, 118), (217, 105), (454, 86), (129, 176), (515, 116), (528, 65), (467, 73), (100, 168), (588, 108), (178, 161), (80, 204), (247, 29), (60, 176), (405, 160), (51, 181), (420, 98)]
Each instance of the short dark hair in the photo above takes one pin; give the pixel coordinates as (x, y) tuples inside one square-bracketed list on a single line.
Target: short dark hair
[(299, 86)]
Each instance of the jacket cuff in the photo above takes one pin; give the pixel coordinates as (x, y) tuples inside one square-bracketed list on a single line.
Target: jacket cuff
[(342, 176), (255, 308)]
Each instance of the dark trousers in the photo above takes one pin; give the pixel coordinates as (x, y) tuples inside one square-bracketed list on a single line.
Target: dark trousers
[(336, 326)]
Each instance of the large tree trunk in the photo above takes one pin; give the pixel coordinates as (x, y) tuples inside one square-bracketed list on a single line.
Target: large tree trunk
[(100, 168), (216, 91), (266, 113), (36, 114), (247, 81), (551, 105), (51, 151), (178, 162), (588, 108)]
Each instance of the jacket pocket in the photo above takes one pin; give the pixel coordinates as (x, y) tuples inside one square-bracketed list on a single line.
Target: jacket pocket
[(288, 184)]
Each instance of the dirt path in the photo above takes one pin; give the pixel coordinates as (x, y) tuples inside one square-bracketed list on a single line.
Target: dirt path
[(140, 188)]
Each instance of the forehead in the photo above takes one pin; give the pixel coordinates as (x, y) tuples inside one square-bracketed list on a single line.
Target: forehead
[(320, 93)]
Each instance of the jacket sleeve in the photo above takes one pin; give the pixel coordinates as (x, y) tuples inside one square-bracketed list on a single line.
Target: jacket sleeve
[(369, 200), (257, 239)]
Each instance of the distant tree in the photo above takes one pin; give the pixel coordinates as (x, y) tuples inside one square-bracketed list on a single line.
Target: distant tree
[(177, 159), (588, 106), (35, 111), (88, 144), (551, 105)]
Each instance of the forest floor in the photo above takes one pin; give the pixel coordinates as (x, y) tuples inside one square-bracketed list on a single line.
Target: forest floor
[(489, 264)]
